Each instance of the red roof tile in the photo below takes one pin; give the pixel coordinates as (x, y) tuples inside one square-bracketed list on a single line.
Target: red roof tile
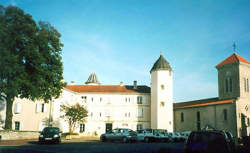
[(234, 58), (204, 102), (108, 88)]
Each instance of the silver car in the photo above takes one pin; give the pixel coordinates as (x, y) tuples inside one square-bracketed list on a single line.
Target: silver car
[(119, 134)]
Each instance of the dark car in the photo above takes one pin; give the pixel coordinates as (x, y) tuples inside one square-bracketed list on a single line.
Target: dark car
[(231, 141), (207, 142), (50, 134)]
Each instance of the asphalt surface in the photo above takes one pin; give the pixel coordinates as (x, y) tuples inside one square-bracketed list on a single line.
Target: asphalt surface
[(90, 146)]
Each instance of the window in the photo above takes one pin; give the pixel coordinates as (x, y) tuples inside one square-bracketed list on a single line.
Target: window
[(17, 108), (100, 99), (126, 99), (100, 114), (246, 85), (198, 120), (162, 87), (162, 104), (182, 117), (17, 125), (128, 114), (84, 98), (92, 99), (125, 114), (82, 128), (225, 114), (91, 114), (139, 127), (228, 85), (140, 112), (43, 107), (139, 99)]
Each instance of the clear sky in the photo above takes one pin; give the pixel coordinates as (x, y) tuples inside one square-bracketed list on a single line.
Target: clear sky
[(120, 40)]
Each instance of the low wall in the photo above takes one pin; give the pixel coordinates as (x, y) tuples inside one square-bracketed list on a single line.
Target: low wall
[(18, 135)]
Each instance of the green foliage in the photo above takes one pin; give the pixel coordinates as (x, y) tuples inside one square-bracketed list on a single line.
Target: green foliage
[(74, 114), (30, 59)]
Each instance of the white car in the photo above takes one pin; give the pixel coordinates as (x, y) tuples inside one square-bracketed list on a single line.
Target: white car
[(119, 134), (150, 135)]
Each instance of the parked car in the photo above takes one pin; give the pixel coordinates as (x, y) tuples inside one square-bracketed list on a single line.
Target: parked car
[(184, 135), (176, 137), (153, 135), (119, 134), (231, 141), (50, 134), (207, 142)]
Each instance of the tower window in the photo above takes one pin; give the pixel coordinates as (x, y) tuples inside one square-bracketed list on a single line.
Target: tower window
[(229, 84), (182, 117), (246, 85), (225, 114), (162, 104), (162, 87)]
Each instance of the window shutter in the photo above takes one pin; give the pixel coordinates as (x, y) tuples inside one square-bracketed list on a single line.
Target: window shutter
[(144, 99), (38, 108), (140, 111), (17, 108), (45, 107)]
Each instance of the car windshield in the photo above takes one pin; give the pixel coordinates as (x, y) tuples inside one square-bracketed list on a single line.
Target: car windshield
[(50, 130)]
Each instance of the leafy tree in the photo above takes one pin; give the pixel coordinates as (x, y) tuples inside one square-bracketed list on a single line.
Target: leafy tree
[(30, 59), (74, 114)]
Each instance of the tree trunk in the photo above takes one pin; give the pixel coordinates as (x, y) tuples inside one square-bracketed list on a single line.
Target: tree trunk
[(9, 114)]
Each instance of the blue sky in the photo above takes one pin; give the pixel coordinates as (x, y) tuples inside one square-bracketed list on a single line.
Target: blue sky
[(120, 40)]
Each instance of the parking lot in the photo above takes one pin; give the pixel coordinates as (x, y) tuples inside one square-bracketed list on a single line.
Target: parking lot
[(89, 145)]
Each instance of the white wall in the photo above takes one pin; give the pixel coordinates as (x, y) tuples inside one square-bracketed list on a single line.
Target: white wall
[(162, 116)]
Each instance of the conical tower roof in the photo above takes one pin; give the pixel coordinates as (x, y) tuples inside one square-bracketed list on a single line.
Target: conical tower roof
[(92, 79), (161, 64)]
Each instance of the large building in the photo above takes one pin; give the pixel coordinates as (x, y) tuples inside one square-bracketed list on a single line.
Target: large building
[(109, 106), (230, 111), (139, 106)]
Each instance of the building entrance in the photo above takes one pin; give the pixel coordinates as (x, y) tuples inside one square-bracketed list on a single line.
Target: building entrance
[(108, 127)]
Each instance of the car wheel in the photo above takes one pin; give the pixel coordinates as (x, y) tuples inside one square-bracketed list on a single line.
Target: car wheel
[(125, 139), (146, 139)]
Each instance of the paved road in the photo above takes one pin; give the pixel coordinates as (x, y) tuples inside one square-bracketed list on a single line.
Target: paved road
[(93, 146)]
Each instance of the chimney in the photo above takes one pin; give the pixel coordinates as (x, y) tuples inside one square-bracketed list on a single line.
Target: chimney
[(121, 83), (72, 83), (135, 84)]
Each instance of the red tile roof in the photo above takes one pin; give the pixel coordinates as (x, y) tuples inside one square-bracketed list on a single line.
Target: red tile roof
[(234, 58), (203, 102), (108, 88)]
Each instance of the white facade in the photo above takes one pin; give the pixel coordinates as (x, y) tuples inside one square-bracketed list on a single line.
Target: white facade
[(162, 100), (118, 109)]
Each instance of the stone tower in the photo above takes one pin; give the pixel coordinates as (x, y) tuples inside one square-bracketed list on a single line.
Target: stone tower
[(162, 95), (233, 77)]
